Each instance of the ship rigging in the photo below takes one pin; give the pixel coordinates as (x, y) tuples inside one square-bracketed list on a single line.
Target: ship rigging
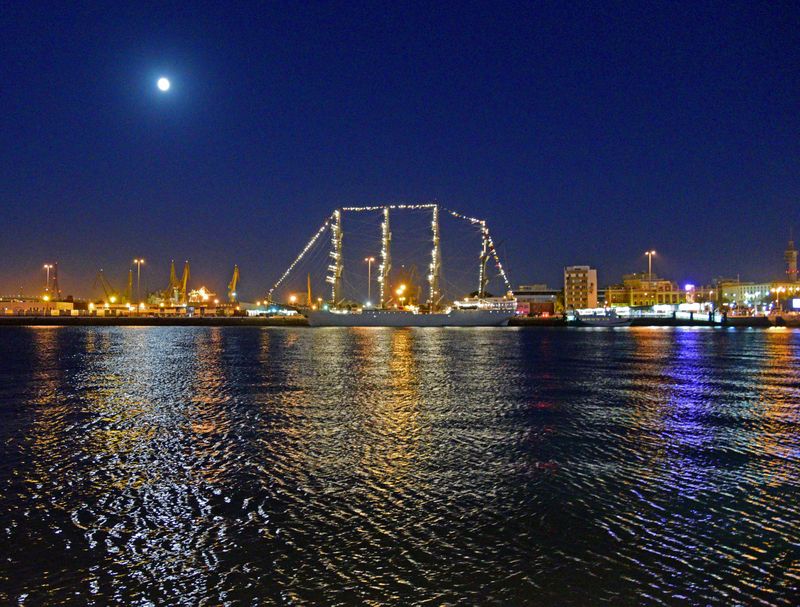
[(333, 225)]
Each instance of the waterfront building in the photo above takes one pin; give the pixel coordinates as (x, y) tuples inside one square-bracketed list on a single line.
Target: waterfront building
[(35, 306), (762, 296), (644, 289), (756, 295), (538, 300), (580, 287)]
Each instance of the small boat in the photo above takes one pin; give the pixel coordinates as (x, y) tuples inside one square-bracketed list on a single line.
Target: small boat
[(608, 318), (785, 319)]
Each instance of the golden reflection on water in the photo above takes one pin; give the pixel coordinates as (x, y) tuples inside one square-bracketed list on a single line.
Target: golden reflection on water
[(49, 424), (396, 415), (279, 458), (776, 403)]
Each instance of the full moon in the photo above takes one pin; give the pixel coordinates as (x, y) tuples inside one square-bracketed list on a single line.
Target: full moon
[(163, 84)]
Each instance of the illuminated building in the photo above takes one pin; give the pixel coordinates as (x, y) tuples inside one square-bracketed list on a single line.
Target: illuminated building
[(580, 287), (755, 294), (538, 300), (36, 306), (644, 289)]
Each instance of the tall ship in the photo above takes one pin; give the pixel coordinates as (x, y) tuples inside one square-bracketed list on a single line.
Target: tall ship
[(398, 303)]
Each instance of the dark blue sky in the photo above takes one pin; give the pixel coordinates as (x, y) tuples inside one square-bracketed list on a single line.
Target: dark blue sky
[(585, 135)]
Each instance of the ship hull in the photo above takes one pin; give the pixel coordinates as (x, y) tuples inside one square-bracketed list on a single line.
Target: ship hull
[(397, 318), (603, 322)]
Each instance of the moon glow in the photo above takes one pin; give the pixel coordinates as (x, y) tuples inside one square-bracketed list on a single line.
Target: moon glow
[(163, 84)]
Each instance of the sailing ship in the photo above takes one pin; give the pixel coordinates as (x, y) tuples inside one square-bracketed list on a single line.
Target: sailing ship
[(477, 311)]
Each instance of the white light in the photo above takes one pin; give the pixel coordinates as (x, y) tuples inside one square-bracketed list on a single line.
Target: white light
[(163, 84)]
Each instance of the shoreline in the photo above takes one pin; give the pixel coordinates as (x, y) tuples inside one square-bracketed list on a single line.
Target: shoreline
[(237, 321)]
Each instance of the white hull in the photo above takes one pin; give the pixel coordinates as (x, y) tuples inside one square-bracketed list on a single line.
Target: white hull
[(603, 322), (399, 318)]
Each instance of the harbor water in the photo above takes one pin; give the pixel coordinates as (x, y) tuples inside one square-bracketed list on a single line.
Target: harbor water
[(296, 466)]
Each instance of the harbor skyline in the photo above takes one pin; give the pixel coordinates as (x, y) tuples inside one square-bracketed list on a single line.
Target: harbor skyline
[(155, 279), (552, 122), (371, 303)]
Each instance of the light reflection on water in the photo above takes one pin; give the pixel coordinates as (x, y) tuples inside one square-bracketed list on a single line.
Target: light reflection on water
[(370, 466)]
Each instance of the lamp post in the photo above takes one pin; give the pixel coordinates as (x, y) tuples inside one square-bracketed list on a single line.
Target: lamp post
[(47, 267), (369, 261), (650, 264), (138, 263), (400, 292)]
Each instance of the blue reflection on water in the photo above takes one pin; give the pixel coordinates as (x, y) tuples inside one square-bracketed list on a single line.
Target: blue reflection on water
[(371, 466)]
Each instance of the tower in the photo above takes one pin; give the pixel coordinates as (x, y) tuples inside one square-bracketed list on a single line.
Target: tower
[(790, 258)]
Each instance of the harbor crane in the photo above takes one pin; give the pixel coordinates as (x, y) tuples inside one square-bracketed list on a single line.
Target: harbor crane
[(232, 295), (109, 291), (185, 282)]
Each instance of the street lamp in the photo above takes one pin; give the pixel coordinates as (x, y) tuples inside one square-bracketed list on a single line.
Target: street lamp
[(400, 294), (292, 299), (650, 264), (47, 267), (369, 261), (138, 263)]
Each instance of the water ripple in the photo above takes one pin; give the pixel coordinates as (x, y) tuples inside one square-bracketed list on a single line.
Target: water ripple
[(206, 466)]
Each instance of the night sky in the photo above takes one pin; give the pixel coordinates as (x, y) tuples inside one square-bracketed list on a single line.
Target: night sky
[(584, 135)]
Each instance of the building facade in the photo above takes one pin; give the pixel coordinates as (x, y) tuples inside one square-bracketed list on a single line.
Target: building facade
[(643, 289), (756, 295), (538, 300), (580, 287)]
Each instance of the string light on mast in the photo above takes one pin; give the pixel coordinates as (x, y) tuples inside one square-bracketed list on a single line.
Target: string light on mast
[(297, 259), (335, 278), (333, 222)]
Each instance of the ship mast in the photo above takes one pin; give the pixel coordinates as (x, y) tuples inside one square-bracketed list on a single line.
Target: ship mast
[(484, 258), (386, 256), (435, 267), (335, 278)]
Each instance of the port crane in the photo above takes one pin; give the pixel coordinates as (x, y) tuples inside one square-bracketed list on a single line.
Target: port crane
[(185, 282), (109, 291), (232, 296), (129, 288)]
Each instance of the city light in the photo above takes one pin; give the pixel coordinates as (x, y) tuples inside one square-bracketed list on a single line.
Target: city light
[(650, 264)]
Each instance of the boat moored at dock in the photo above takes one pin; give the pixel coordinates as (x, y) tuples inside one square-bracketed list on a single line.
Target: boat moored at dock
[(400, 300)]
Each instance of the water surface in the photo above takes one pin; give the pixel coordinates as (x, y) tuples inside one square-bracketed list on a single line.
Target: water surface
[(207, 466)]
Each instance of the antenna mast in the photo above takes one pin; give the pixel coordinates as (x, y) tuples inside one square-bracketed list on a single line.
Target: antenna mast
[(335, 279), (386, 257), (435, 267)]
